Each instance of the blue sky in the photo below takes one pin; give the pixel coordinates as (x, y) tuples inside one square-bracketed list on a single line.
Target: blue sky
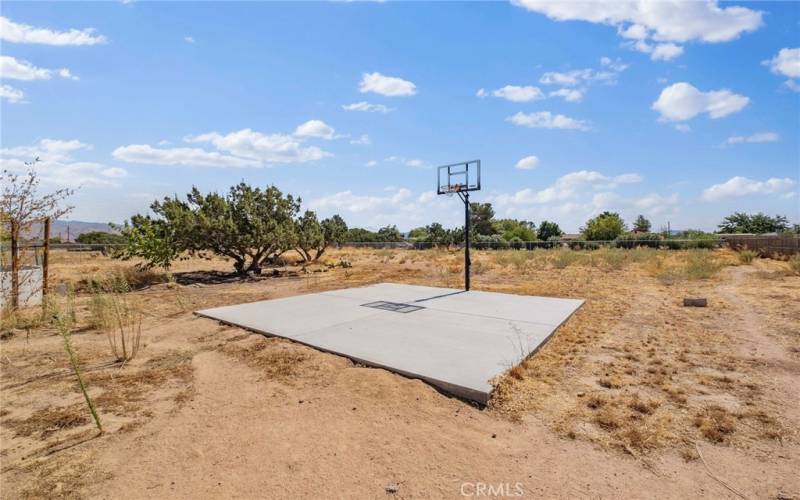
[(683, 112)]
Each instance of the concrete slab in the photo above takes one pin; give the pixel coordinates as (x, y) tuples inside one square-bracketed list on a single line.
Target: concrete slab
[(458, 342)]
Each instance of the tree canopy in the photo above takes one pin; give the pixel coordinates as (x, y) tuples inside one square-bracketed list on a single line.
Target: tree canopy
[(604, 227), (740, 222), (641, 225), (548, 230)]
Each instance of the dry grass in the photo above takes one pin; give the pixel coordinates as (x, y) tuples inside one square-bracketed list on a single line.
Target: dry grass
[(631, 371)]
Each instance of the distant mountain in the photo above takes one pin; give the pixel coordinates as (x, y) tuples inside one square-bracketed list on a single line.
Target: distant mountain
[(73, 228)]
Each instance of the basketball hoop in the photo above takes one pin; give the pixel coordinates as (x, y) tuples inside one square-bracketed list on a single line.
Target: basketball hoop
[(461, 178)]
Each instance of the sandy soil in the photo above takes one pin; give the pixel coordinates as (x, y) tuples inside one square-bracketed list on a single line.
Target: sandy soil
[(636, 396)]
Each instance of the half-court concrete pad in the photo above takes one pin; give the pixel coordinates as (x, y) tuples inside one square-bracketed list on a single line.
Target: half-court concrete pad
[(457, 341)]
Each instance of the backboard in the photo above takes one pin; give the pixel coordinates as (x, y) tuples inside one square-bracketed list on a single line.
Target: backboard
[(459, 177)]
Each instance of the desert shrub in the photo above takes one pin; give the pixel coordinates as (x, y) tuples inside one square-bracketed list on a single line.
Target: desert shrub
[(516, 243), (794, 264), (746, 256), (563, 258), (634, 240), (613, 258), (702, 264), (605, 227), (111, 310)]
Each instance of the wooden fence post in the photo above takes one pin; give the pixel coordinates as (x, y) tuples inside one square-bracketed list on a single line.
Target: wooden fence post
[(14, 266), (45, 262)]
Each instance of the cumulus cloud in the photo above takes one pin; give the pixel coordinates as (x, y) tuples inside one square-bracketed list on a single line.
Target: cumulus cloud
[(386, 85), (654, 203), (23, 33), (11, 94), (528, 163), (515, 93), (262, 148), (786, 63), (315, 128), (367, 107), (742, 186), (47, 150), (188, 39), (662, 24), (546, 119), (57, 166), (758, 137), (567, 187), (196, 157), (18, 69), (569, 95), (682, 101)]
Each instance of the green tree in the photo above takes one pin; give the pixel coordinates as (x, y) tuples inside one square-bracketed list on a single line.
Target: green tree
[(309, 236), (389, 233), (481, 216), (512, 228), (437, 235), (99, 238), (357, 234), (334, 230), (642, 225), (740, 222), (418, 233), (548, 230), (248, 225), (606, 226)]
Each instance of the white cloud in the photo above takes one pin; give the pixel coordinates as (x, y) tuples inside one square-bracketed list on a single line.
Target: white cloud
[(546, 119), (315, 128), (570, 78), (481, 93), (665, 23), (23, 33), (758, 137), (516, 93), (18, 69), (188, 39), (11, 94), (371, 163), (528, 163), (408, 162), (251, 146), (614, 64), (363, 140), (196, 157), (683, 127), (367, 107), (742, 186), (57, 166), (682, 101), (654, 203), (567, 187), (569, 95), (786, 63), (386, 85), (347, 201), (47, 150)]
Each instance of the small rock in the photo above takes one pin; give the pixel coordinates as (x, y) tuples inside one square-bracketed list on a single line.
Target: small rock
[(392, 488), (581, 394), (494, 436)]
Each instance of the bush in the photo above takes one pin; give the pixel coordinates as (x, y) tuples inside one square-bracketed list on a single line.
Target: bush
[(605, 227), (100, 238), (633, 240), (794, 264), (746, 256)]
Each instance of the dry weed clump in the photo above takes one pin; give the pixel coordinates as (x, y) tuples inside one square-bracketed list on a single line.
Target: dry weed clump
[(794, 264), (112, 311), (715, 424), (746, 256), (48, 421)]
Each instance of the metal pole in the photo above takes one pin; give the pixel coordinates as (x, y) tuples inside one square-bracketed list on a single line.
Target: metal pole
[(466, 241)]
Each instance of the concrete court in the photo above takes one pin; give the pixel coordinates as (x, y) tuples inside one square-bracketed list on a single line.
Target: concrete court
[(457, 341)]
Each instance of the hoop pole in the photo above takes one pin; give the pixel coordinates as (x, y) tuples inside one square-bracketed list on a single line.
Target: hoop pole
[(466, 241)]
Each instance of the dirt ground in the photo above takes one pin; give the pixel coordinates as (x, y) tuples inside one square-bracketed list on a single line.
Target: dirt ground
[(635, 396)]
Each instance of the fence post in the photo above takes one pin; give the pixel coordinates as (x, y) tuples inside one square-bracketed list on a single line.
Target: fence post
[(14, 266), (45, 263)]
